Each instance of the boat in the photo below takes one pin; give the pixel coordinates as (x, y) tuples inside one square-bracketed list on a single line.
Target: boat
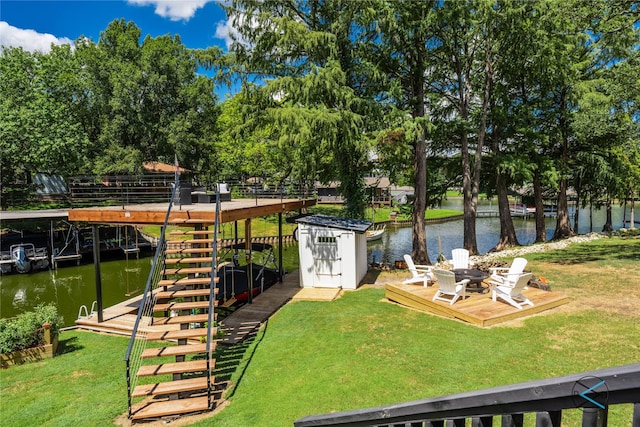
[(23, 258), (522, 210), (376, 233), (234, 275)]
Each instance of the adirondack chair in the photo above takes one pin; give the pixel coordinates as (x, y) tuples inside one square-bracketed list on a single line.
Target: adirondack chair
[(512, 294), (508, 276), (460, 258), (419, 273), (448, 289)]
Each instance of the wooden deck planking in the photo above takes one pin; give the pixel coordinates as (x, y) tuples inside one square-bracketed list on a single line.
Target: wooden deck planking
[(477, 309), (121, 318), (244, 321)]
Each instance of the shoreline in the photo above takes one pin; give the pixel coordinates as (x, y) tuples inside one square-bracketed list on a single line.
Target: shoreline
[(539, 247)]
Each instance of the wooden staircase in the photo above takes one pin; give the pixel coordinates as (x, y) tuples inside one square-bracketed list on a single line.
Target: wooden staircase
[(174, 374)]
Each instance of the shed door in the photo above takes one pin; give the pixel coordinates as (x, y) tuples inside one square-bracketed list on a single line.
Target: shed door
[(327, 260)]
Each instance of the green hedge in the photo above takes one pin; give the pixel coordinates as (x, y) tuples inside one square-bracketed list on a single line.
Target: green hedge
[(25, 331)]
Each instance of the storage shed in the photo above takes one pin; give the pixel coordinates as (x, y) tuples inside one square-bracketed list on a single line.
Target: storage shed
[(333, 251)]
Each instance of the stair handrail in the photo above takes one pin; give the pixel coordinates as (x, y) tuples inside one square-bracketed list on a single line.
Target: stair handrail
[(148, 300), (212, 296)]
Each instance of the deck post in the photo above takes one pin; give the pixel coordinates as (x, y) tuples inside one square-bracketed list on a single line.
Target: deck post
[(96, 265), (594, 417), (247, 245), (280, 269), (549, 419)]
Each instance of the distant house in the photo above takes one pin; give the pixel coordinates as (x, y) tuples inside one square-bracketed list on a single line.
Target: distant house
[(50, 187), (158, 167), (379, 187)]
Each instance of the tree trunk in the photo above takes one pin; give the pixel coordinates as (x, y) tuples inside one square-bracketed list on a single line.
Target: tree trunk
[(563, 223), (576, 216), (471, 183), (419, 244), (632, 222), (608, 225), (419, 251), (541, 228), (507, 231)]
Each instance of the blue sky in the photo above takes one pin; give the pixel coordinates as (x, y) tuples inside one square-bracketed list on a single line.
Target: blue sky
[(34, 25)]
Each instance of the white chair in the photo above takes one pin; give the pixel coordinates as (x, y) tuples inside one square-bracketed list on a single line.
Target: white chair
[(460, 258), (447, 286), (508, 276), (223, 191), (419, 273), (512, 294)]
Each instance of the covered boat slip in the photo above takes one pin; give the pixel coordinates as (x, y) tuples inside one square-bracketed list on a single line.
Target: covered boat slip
[(197, 215)]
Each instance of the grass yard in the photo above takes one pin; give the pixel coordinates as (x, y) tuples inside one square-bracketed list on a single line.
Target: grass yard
[(361, 351)]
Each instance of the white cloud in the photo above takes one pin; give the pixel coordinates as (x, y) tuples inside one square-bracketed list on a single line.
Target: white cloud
[(227, 32), (29, 40), (175, 10), (223, 31)]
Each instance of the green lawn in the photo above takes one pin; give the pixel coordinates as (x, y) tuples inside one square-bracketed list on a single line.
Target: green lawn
[(361, 351)]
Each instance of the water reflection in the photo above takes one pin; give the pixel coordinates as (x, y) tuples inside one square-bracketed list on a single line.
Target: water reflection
[(73, 286), (443, 237)]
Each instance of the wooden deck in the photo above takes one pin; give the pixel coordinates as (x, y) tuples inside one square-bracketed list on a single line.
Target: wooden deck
[(192, 214), (477, 309), (120, 318)]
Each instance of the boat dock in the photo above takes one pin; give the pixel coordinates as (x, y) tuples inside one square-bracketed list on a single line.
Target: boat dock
[(120, 318)]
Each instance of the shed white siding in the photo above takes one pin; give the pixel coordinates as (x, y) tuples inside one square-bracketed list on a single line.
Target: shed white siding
[(331, 257)]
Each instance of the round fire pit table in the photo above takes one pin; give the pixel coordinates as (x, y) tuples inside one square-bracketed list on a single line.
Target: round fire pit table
[(475, 277)]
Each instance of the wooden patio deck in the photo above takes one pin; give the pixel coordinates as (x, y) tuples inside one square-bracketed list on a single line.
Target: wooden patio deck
[(120, 318), (477, 309)]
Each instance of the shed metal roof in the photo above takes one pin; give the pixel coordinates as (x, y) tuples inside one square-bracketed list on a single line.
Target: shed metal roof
[(356, 225)]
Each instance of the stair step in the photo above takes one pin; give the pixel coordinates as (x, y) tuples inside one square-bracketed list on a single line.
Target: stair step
[(170, 407), (198, 260), (183, 293), (173, 251), (178, 320), (176, 350), (190, 232), (174, 368), (181, 306), (187, 270), (187, 281), (202, 222), (170, 387), (176, 335), (207, 242)]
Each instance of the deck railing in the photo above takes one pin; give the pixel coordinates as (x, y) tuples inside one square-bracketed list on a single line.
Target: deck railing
[(212, 324), (592, 391), (136, 346)]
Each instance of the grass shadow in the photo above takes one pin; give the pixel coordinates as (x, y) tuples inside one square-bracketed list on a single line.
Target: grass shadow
[(231, 358), (68, 345)]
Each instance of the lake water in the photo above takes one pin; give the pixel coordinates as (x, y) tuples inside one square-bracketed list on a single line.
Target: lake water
[(73, 286), (397, 240)]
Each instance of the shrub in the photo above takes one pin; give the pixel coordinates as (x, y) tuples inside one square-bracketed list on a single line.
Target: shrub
[(26, 330)]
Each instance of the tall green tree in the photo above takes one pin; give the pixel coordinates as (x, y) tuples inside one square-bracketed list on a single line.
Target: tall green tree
[(39, 131), (402, 54), (306, 55), (146, 101)]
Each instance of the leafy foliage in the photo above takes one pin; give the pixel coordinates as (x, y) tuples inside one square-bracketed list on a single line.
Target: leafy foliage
[(26, 330)]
